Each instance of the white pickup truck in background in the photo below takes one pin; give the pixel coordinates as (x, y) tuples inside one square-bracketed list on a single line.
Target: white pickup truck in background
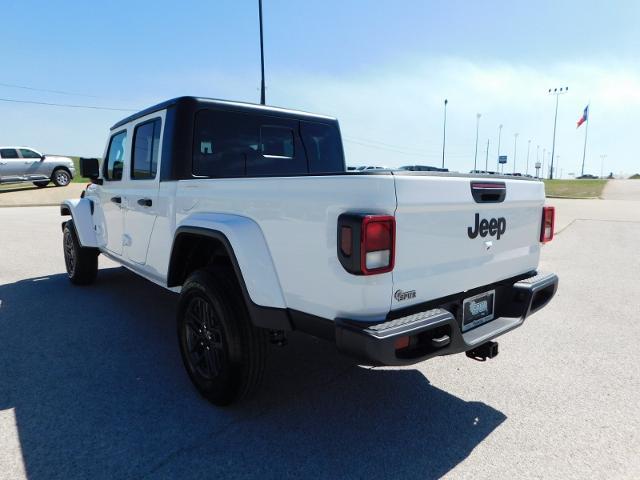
[(249, 213)]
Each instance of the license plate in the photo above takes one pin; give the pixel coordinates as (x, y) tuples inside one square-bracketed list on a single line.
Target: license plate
[(478, 309)]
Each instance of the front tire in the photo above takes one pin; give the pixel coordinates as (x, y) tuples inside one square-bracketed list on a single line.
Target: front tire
[(61, 178), (81, 263), (223, 352)]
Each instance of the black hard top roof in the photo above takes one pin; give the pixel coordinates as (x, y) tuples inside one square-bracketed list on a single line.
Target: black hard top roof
[(200, 102)]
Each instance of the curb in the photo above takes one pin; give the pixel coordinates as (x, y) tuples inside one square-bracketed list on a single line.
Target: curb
[(573, 198), (31, 205)]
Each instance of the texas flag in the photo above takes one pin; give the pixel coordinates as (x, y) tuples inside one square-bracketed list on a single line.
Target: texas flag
[(584, 117)]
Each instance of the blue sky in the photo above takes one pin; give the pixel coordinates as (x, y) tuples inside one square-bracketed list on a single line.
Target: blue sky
[(382, 67)]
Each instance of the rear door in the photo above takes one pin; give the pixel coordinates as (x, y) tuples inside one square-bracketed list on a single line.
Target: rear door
[(450, 242), (142, 191), (11, 165)]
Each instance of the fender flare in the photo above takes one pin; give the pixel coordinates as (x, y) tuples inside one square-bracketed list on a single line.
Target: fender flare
[(81, 211), (251, 259)]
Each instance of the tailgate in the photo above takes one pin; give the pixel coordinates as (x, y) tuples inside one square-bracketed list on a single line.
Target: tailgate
[(448, 242)]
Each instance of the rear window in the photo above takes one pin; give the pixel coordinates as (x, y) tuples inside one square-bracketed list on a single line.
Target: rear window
[(232, 144), (324, 147), (223, 142), (8, 153)]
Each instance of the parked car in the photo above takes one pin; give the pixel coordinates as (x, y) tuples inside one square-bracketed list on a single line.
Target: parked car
[(249, 214), (24, 164), (370, 167), (423, 168), (587, 176)]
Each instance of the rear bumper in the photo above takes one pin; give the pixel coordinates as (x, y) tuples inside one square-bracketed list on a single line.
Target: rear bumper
[(437, 331)]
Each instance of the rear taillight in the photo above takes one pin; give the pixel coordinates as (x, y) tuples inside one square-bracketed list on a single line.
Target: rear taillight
[(548, 223), (366, 243)]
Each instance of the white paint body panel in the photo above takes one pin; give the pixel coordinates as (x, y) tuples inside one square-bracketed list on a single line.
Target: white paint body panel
[(251, 251), (283, 231), (81, 213), (297, 220), (434, 254)]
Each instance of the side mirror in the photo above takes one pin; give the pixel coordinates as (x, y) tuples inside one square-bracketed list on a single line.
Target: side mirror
[(90, 168), (42, 157)]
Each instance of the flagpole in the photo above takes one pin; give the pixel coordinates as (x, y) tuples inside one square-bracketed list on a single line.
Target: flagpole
[(586, 131)]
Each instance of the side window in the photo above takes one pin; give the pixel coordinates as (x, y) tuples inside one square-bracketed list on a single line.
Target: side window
[(223, 143), (323, 146), (279, 152), (115, 156), (276, 141), (8, 153), (146, 141), (26, 153), (231, 144)]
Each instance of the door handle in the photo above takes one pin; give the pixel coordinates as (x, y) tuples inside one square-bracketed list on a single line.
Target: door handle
[(145, 202), (116, 200)]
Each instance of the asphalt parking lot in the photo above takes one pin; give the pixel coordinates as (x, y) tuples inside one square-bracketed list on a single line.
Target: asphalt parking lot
[(92, 386)]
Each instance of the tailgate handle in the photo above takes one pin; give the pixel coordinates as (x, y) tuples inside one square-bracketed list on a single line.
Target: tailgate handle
[(488, 192)]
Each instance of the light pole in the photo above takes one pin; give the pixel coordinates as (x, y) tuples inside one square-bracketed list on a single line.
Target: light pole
[(515, 150), (499, 135), (444, 130), (262, 87), (602, 157), (475, 158), (486, 159), (528, 148), (557, 92)]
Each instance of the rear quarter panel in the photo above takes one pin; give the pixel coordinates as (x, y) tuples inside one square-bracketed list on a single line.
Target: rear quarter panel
[(298, 218)]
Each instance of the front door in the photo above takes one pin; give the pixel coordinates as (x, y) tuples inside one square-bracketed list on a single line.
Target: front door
[(110, 227), (34, 166), (142, 190)]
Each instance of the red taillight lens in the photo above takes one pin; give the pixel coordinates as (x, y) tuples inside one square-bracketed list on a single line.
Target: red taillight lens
[(366, 243), (548, 223), (377, 244)]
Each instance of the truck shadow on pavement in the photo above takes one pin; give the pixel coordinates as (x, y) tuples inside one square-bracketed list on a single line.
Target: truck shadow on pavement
[(98, 390)]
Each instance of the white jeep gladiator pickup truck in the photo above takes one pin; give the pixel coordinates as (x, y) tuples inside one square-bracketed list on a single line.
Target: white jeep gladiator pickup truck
[(249, 213)]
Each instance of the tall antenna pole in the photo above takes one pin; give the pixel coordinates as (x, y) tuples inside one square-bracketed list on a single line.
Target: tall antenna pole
[(498, 160), (444, 130), (584, 151), (557, 92), (486, 159), (515, 150), (475, 158), (262, 87)]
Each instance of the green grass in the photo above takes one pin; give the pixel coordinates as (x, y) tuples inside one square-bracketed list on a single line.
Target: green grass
[(78, 178), (586, 188)]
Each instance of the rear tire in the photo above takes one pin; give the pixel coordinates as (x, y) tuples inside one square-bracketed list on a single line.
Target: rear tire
[(81, 262), (60, 177), (42, 184), (223, 352)]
